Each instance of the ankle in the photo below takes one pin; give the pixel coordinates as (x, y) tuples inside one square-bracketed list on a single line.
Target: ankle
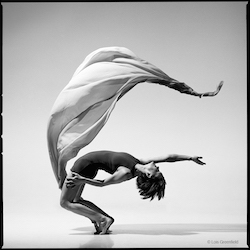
[(100, 218)]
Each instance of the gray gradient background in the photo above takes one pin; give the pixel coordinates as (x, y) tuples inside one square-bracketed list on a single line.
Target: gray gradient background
[(198, 43)]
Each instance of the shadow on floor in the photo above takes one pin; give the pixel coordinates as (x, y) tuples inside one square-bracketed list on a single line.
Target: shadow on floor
[(166, 229)]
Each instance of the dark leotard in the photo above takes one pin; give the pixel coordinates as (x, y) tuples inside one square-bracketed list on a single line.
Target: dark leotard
[(89, 164)]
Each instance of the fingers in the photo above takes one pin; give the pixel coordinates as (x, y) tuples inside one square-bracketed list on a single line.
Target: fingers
[(70, 185), (74, 176), (199, 161)]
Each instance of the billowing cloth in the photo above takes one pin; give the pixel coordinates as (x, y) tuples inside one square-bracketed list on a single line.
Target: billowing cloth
[(85, 104)]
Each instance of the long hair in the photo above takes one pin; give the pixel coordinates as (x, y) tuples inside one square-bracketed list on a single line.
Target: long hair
[(149, 188)]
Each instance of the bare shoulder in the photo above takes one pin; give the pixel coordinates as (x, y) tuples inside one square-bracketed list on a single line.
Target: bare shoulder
[(125, 173), (144, 160), (124, 170)]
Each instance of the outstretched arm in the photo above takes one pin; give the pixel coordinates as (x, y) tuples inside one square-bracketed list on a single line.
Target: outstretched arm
[(122, 174), (173, 158)]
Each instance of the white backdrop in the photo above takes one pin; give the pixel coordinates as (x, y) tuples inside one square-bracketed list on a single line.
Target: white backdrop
[(198, 43)]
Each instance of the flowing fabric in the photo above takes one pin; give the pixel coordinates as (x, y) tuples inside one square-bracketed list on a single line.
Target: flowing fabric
[(85, 104)]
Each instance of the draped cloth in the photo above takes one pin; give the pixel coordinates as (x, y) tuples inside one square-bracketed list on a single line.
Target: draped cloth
[(86, 102)]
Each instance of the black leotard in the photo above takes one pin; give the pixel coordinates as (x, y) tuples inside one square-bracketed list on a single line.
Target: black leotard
[(89, 164)]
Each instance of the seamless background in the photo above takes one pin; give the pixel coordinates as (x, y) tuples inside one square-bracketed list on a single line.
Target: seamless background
[(197, 43)]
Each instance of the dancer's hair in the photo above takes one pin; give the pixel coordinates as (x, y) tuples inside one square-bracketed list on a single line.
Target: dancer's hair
[(149, 188)]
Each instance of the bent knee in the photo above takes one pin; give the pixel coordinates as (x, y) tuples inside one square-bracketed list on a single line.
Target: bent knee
[(64, 204)]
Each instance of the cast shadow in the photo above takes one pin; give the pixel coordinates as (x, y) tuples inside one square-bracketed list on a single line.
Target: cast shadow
[(166, 229), (139, 229)]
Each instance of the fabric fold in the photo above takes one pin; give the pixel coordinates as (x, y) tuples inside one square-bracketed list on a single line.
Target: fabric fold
[(85, 104)]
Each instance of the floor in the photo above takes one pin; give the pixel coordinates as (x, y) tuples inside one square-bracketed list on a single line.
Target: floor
[(31, 231)]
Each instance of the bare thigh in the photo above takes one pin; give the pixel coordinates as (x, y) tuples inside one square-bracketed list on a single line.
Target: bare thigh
[(79, 193), (71, 194)]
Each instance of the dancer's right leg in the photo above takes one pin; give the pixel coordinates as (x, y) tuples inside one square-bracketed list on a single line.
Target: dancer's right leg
[(91, 205), (67, 202)]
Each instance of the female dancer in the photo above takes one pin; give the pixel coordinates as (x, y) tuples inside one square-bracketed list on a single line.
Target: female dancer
[(85, 104), (122, 167)]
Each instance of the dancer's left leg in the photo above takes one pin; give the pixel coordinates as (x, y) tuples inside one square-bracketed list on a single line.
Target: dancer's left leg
[(67, 201), (79, 199)]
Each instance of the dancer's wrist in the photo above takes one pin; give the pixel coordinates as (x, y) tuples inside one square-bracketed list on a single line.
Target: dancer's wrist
[(83, 179)]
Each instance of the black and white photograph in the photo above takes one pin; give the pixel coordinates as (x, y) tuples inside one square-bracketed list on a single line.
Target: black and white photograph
[(124, 124)]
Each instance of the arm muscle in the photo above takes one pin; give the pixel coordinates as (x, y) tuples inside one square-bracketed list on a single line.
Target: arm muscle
[(166, 158), (122, 174)]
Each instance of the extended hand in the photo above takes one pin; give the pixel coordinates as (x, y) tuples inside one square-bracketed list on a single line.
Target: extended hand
[(73, 181), (197, 160)]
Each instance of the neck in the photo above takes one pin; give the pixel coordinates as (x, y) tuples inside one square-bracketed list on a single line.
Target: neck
[(140, 168)]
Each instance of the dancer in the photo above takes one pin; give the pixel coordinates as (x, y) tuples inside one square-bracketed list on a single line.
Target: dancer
[(86, 103), (79, 113), (122, 167)]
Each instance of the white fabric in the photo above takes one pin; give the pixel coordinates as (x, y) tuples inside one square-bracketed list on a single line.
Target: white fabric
[(85, 104)]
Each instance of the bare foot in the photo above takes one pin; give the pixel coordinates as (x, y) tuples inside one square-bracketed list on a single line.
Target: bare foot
[(105, 225), (96, 227), (110, 224), (98, 230)]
